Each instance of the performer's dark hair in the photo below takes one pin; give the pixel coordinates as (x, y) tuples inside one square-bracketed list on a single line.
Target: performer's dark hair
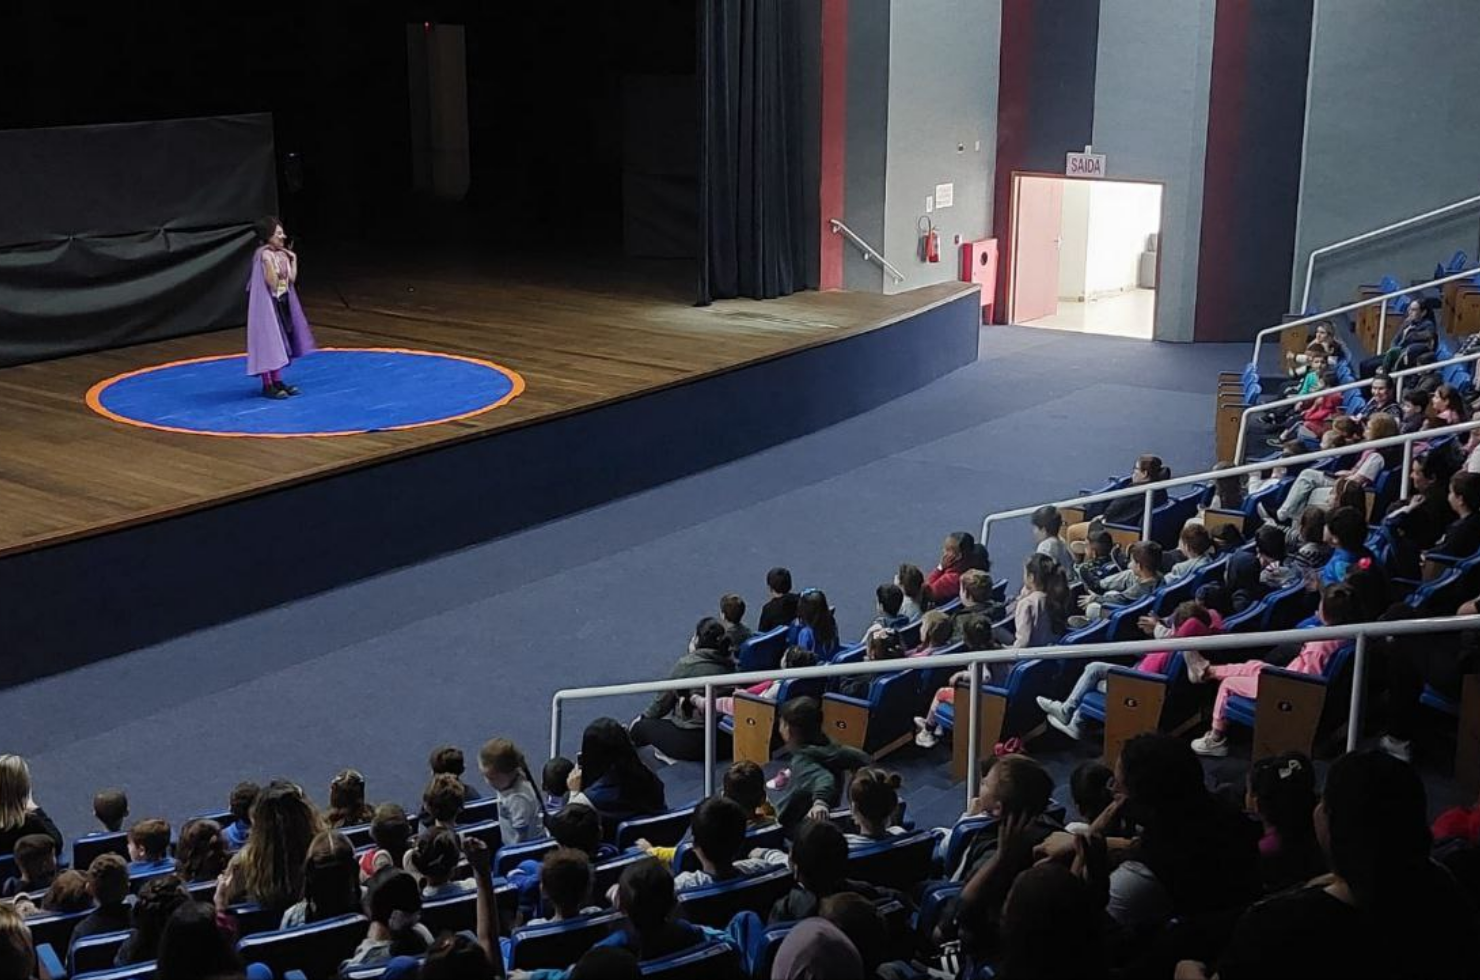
[(266, 225)]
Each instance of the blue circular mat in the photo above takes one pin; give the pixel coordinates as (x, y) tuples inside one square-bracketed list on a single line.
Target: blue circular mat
[(341, 392)]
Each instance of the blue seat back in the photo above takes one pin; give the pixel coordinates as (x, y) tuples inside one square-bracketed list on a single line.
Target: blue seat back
[(763, 650), (139, 971), (1123, 619), (664, 829), (892, 699), (84, 849), (899, 862), (252, 918), (960, 837), (609, 872), (488, 831), (1288, 606), (451, 914), (508, 858), (317, 949), (1029, 680), (55, 929), (478, 811), (556, 945), (712, 961), (800, 687), (929, 679), (715, 905), (93, 953)]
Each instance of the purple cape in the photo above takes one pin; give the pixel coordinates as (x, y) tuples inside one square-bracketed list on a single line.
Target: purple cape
[(266, 350)]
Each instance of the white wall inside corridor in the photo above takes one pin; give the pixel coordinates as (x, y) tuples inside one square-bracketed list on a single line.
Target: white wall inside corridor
[(1105, 229)]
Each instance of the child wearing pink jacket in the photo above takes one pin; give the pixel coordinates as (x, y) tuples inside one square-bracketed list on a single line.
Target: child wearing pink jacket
[(1338, 608)]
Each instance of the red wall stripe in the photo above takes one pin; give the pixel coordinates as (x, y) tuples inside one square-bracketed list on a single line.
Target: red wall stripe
[(833, 163), (1225, 145)]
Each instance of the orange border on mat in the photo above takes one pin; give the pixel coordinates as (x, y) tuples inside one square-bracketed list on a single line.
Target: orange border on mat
[(95, 395)]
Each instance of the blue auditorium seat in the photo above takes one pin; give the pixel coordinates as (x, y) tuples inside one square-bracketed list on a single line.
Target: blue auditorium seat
[(139, 971), (762, 651), (1179, 708), (487, 831), (609, 872), (715, 905), (358, 835), (1009, 710), (456, 913), (556, 945), (880, 723), (931, 679), (55, 929), (317, 949), (92, 953), (7, 867), (663, 829), (898, 862), (1300, 720), (85, 848), (1167, 518), (506, 859), (752, 728), (478, 812), (712, 961)]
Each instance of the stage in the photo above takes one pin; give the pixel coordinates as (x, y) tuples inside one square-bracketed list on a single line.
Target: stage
[(115, 535)]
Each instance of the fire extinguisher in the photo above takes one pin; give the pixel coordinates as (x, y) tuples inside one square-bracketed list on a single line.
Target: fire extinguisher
[(929, 240)]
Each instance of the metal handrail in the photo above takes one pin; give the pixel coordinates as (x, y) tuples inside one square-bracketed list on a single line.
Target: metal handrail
[(1369, 301), (1406, 440), (869, 252), (1310, 264), (1397, 376), (974, 660)]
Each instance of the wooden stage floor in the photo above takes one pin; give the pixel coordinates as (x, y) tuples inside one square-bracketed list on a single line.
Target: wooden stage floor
[(68, 473)]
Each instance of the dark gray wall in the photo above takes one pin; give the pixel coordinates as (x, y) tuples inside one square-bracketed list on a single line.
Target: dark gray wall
[(1392, 129), (866, 149), (943, 66), (1151, 121)]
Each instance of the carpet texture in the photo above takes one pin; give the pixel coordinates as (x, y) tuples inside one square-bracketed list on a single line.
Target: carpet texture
[(473, 644)]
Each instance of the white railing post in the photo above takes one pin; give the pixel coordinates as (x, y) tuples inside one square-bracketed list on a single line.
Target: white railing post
[(973, 730), (710, 724), (1146, 509), (555, 706), (1381, 327), (1405, 480), (1359, 684)]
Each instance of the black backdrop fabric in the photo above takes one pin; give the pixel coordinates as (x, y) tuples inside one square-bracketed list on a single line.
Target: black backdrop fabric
[(751, 169), (120, 234)]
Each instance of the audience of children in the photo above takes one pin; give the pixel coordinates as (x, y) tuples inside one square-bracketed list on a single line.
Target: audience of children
[(1140, 580), (670, 723)]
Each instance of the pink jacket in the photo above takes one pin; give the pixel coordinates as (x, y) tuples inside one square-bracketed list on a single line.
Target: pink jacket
[(1156, 663)]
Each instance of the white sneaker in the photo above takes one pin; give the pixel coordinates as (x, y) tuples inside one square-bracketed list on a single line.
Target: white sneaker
[(1055, 709), (667, 760), (1197, 666), (779, 781), (926, 739), (1212, 744), (921, 724), (1069, 728), (1078, 622), (1399, 748)]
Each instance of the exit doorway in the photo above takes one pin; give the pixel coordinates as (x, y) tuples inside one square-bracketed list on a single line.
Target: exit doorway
[(1085, 254)]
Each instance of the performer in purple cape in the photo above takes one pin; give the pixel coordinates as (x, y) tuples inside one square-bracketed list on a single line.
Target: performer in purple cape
[(277, 330)]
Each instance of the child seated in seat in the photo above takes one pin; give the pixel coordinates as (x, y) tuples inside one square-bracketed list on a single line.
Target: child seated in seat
[(1137, 582), (555, 782), (565, 886), (718, 828), (149, 847), (888, 601), (882, 644), (1338, 608), (107, 882), (390, 831), (795, 656), (978, 636), (1197, 551), (745, 783), (1191, 618), (36, 860), (1276, 570), (110, 806), (243, 795), (873, 798), (434, 861), (937, 630), (1099, 561)]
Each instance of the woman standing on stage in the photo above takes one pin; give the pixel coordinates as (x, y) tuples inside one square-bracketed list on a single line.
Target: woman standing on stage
[(277, 330)]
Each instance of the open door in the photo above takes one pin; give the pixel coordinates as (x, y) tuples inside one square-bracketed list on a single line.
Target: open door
[(1035, 250)]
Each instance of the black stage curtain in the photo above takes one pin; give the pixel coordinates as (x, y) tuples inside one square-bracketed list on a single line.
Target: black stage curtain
[(753, 223), (120, 234)]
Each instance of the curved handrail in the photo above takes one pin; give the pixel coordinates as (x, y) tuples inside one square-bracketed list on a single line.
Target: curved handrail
[(974, 660), (1149, 489), (1310, 264), (1306, 321), (1397, 376)]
